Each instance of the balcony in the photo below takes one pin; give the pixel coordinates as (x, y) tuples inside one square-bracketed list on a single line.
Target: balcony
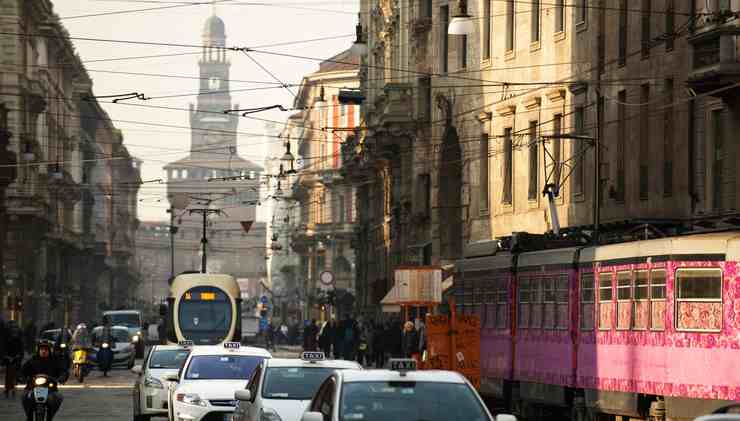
[(715, 59)]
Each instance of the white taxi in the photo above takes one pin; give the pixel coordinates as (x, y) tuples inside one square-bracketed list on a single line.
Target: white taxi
[(150, 387), (204, 388), (281, 388), (401, 393)]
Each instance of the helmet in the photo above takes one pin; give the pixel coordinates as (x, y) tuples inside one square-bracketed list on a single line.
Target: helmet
[(45, 343), (81, 326), (106, 320)]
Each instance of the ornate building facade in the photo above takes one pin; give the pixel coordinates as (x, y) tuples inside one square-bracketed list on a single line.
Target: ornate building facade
[(71, 211)]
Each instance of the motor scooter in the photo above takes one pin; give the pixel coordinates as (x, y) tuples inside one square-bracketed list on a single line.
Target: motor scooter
[(80, 363), (42, 386), (105, 358)]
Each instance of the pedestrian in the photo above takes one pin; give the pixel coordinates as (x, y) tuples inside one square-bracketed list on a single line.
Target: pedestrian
[(326, 337), (410, 340), (284, 333), (3, 338), (378, 347), (350, 337), (393, 334), (270, 336), (362, 344), (29, 336), (13, 358), (313, 333)]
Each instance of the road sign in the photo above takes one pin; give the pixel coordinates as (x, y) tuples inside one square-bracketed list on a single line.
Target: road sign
[(264, 300), (327, 278)]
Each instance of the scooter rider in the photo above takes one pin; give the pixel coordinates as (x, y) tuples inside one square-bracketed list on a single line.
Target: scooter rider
[(105, 355), (42, 363)]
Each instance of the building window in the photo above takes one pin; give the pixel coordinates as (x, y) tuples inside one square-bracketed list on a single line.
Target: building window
[(699, 299), (486, 38), (508, 166), (426, 8), (484, 172), (606, 305), (533, 161), (644, 140), (621, 144), (670, 24), (557, 129), (425, 197), (587, 301), (579, 159), (444, 17), (425, 98), (668, 130), (340, 209), (559, 16), (623, 22), (717, 158), (510, 10), (535, 20), (647, 6), (581, 11), (462, 57)]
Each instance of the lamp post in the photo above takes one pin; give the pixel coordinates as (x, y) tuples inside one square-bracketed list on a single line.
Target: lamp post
[(462, 22)]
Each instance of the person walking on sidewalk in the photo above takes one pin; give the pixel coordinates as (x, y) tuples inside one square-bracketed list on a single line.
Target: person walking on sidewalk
[(13, 358)]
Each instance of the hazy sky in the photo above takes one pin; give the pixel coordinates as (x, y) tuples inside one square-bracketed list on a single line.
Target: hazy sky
[(248, 24)]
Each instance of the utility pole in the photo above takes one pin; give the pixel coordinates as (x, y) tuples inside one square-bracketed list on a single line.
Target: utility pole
[(173, 231), (204, 239)]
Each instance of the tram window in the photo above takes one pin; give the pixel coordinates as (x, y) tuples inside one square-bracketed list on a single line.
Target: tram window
[(491, 308), (524, 300), (624, 298), (624, 286), (535, 287), (657, 299), (699, 284), (605, 287), (561, 297), (641, 285), (548, 319), (606, 294), (699, 300), (502, 303), (587, 301)]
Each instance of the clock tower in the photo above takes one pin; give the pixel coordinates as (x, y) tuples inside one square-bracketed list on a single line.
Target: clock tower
[(213, 131)]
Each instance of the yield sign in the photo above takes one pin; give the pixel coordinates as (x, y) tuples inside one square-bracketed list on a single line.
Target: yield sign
[(246, 225)]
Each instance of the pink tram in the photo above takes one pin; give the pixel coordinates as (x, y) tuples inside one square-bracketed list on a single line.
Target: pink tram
[(632, 329)]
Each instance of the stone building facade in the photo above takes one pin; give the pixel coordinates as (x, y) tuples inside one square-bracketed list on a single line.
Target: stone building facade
[(465, 134), (324, 230), (72, 170)]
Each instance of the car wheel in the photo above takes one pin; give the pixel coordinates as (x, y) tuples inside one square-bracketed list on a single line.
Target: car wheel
[(141, 418)]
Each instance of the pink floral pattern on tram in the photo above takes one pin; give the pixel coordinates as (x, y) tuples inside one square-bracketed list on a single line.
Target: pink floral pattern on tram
[(699, 316), (605, 315), (657, 320), (642, 314), (624, 314)]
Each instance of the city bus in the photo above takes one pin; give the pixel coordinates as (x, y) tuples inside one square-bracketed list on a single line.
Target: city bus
[(204, 308)]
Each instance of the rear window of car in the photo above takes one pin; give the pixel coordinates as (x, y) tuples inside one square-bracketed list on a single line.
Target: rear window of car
[(296, 383), (222, 367), (168, 358)]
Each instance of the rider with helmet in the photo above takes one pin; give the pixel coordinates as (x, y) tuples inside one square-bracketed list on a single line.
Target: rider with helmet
[(43, 362), (105, 354)]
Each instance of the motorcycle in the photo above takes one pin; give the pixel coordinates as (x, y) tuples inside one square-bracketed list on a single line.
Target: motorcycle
[(105, 358), (42, 386), (80, 364)]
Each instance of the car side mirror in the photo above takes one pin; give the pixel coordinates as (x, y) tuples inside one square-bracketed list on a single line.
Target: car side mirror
[(137, 369), (172, 377), (505, 417), (312, 416), (243, 395)]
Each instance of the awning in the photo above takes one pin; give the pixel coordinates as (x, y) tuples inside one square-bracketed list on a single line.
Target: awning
[(415, 286), (389, 303)]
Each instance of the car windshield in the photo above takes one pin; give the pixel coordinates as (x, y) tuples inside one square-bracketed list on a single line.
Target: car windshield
[(168, 358), (222, 367), (428, 401), (119, 335), (124, 319), (297, 383)]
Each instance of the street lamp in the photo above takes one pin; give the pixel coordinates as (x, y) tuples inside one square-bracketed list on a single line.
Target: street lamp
[(462, 22), (56, 172), (359, 48), (288, 160)]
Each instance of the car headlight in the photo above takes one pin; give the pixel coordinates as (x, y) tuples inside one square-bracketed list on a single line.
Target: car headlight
[(40, 381), (269, 414), (191, 399), (153, 383), (63, 346), (135, 338), (105, 345)]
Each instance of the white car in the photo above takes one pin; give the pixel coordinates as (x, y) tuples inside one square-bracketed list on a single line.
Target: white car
[(150, 387), (124, 353), (281, 389), (401, 393), (204, 389)]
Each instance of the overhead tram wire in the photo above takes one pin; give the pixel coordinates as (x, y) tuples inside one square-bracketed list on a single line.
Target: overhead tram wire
[(150, 9), (287, 88)]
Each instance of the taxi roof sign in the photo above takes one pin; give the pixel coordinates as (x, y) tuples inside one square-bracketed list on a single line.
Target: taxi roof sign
[(313, 356), (402, 365), (232, 345), (185, 344)]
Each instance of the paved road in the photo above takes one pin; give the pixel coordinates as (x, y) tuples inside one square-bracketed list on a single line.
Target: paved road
[(100, 398)]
